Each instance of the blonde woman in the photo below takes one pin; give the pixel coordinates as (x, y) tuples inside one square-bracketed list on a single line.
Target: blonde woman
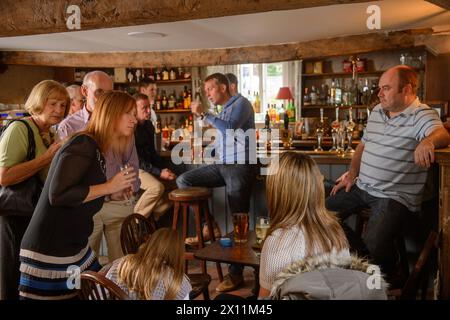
[(55, 245), (155, 272), (301, 227), (48, 104)]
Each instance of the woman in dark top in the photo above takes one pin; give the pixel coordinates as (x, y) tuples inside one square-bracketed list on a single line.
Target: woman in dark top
[(55, 248)]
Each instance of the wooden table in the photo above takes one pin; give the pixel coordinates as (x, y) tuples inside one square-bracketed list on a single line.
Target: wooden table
[(241, 254)]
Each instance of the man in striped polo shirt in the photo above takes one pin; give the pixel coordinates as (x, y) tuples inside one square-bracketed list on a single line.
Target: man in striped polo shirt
[(389, 167)]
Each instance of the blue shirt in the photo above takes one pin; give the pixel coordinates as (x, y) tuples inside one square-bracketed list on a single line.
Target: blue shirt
[(236, 114)]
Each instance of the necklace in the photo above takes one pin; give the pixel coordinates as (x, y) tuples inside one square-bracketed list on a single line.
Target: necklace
[(47, 137)]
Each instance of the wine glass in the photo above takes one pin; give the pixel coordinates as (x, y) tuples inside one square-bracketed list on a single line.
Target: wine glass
[(129, 191)]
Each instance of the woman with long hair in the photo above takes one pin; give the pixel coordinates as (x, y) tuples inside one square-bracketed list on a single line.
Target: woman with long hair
[(26, 149), (301, 227), (55, 246), (155, 272)]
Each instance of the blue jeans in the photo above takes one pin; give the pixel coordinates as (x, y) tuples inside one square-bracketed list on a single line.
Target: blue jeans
[(238, 180), (385, 223)]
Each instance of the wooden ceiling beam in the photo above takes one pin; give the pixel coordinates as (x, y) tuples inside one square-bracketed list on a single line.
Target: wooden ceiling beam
[(207, 57), (28, 17), (441, 3)]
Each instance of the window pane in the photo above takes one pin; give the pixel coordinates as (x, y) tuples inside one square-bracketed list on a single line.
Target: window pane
[(273, 81)]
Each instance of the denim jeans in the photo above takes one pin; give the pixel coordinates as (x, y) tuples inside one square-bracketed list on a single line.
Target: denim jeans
[(237, 178), (385, 223), (238, 181)]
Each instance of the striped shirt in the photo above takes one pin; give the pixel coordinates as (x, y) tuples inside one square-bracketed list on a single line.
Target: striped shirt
[(282, 248), (387, 165)]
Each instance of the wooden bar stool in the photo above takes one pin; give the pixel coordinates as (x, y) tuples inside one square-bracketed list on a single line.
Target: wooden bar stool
[(197, 199)]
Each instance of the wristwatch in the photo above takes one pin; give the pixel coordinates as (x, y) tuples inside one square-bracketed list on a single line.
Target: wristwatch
[(203, 115)]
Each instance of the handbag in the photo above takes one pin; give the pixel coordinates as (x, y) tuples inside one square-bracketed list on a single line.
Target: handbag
[(20, 199)]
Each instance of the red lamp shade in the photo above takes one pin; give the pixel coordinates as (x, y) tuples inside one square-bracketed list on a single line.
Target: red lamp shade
[(284, 93)]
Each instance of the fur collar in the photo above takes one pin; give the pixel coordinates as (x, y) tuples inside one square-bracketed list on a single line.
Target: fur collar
[(334, 259)]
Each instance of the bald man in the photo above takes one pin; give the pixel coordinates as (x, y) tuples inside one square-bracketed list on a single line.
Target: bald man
[(389, 168), (94, 84), (76, 98)]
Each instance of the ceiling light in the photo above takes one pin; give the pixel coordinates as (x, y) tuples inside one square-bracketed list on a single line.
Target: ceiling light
[(146, 34)]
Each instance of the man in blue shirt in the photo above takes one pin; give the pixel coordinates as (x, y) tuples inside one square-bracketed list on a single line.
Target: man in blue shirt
[(232, 168)]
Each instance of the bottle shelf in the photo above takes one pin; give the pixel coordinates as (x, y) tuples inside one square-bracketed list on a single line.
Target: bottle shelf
[(342, 74), (174, 111), (318, 106), (160, 82)]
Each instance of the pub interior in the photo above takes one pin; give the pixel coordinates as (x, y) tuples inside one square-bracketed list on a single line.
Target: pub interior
[(203, 150)]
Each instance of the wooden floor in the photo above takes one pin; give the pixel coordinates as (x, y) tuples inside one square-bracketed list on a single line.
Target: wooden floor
[(244, 291)]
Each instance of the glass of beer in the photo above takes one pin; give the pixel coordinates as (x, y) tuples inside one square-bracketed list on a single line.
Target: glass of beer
[(240, 227), (261, 226)]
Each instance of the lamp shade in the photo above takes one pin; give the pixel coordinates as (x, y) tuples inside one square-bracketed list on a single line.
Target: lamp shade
[(284, 93)]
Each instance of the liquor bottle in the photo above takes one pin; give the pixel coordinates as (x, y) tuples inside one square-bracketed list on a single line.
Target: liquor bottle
[(338, 94), (306, 98), (291, 111), (267, 120), (165, 74), (257, 104), (171, 100), (172, 74), (164, 101), (332, 95), (157, 75), (313, 95), (323, 94)]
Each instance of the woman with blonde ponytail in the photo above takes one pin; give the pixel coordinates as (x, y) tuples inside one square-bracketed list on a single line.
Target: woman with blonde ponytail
[(301, 227), (155, 272)]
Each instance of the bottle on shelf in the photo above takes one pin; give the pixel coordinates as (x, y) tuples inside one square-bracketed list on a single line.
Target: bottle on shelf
[(257, 103), (338, 94), (332, 94), (291, 111), (158, 75), (172, 74), (313, 95), (306, 98), (165, 74)]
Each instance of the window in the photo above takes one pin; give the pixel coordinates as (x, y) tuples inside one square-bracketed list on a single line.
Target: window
[(266, 78)]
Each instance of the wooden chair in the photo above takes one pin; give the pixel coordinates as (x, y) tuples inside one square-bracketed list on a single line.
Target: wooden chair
[(135, 230), (419, 276), (95, 286)]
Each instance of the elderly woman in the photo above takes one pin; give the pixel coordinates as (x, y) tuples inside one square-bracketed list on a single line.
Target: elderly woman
[(48, 103)]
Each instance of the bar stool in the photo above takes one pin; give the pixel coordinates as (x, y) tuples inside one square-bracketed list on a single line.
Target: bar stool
[(197, 199)]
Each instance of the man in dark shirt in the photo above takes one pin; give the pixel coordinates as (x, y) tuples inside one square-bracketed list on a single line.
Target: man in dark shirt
[(151, 165)]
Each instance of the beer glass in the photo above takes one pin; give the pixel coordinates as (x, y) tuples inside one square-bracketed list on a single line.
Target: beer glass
[(240, 227), (261, 226)]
